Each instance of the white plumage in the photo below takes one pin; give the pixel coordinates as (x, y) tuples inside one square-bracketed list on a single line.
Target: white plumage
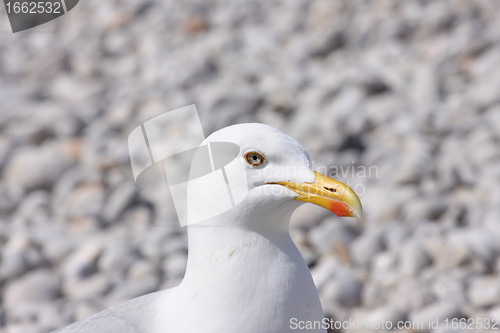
[(244, 273)]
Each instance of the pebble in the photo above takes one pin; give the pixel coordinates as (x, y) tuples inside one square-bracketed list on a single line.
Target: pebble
[(58, 249), (38, 167), (388, 315), (413, 258), (174, 265), (82, 262), (476, 246), (236, 107), (410, 295), (426, 208), (33, 210), (39, 285), (325, 270), (451, 287), (131, 289), (495, 313), (440, 311), (373, 294), (9, 198), (118, 201), (49, 318), (24, 297), (13, 265), (90, 287), (385, 262), (344, 290), (24, 327), (365, 247), (117, 258), (86, 200), (20, 254), (485, 291), (331, 234), (142, 270)]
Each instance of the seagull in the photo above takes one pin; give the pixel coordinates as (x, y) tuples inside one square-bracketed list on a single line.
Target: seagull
[(244, 274)]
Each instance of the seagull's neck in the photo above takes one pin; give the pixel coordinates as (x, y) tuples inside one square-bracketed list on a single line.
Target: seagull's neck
[(219, 246), (215, 249), (235, 269)]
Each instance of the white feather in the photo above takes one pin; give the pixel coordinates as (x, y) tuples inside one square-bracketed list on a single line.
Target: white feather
[(244, 273)]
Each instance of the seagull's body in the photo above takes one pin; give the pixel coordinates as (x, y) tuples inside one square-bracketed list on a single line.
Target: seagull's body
[(244, 273), (230, 286)]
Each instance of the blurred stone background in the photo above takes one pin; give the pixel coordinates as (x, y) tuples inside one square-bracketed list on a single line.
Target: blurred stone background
[(410, 87)]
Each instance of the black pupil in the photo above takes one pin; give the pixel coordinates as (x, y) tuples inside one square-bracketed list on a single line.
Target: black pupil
[(254, 158)]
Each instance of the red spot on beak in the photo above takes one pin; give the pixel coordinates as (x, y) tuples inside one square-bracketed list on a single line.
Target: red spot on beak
[(339, 208)]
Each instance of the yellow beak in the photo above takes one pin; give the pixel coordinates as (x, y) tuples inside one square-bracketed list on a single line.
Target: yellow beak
[(328, 193)]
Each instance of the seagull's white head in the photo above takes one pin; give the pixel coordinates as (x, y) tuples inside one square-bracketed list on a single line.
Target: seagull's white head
[(280, 178)]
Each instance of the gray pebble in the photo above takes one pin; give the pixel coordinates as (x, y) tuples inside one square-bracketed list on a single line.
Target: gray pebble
[(83, 261), (35, 167), (131, 289), (495, 313), (91, 287), (20, 254), (117, 258), (10, 196), (174, 266), (344, 290), (365, 247), (118, 201), (37, 286), (413, 258), (440, 311), (388, 315), (86, 200), (485, 291), (331, 233)]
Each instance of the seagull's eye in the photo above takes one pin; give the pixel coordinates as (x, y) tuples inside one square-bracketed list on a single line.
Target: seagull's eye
[(254, 158)]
